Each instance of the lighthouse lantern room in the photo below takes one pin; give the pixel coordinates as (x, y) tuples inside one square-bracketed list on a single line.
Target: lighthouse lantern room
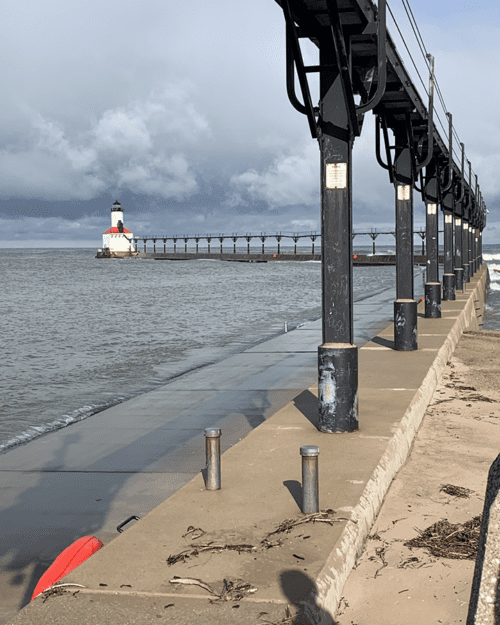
[(117, 240)]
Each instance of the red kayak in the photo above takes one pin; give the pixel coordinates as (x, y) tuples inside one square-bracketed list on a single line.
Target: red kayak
[(66, 561)]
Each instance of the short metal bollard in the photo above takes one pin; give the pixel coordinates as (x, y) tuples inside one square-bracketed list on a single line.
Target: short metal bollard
[(310, 489), (449, 286), (405, 325), (459, 279), (212, 448), (466, 272), (433, 300)]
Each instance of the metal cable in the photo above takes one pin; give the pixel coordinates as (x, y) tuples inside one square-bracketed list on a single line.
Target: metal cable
[(423, 50)]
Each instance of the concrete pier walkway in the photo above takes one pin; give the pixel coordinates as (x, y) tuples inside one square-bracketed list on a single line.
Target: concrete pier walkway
[(146, 455), (91, 476)]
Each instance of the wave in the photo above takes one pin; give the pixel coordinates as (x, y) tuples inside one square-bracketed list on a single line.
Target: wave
[(490, 257), (79, 414)]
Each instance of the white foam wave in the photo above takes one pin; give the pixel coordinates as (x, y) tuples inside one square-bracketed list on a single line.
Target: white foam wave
[(495, 286), (489, 257), (494, 271), (38, 430)]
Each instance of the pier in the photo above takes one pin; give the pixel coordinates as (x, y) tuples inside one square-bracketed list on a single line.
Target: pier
[(177, 242), (317, 421)]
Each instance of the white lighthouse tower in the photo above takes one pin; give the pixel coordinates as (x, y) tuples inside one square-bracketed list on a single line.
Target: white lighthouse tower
[(117, 240)]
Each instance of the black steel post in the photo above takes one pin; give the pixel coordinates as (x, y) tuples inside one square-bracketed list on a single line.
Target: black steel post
[(432, 285), (471, 250), (465, 251), (185, 246), (164, 246), (337, 356), (175, 246), (448, 275), (459, 270), (221, 239), (405, 307), (474, 249), (144, 246), (263, 243), (234, 244), (432, 241), (208, 243)]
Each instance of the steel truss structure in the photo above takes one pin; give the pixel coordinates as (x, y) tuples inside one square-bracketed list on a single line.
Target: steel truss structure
[(360, 70)]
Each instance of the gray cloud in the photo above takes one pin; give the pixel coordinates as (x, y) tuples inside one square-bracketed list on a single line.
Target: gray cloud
[(182, 113)]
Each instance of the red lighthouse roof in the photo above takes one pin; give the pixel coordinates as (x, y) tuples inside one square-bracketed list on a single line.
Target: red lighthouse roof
[(116, 231)]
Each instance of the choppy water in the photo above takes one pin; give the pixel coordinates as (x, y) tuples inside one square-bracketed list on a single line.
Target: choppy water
[(79, 333)]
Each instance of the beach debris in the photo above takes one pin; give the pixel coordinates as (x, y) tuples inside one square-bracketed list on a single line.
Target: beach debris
[(457, 541), (323, 516), (196, 532), (480, 398), (192, 582), (380, 555), (58, 590), (232, 590), (456, 491), (195, 550), (286, 620)]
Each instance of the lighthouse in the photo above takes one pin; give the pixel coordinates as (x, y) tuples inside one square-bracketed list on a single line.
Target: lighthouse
[(117, 241)]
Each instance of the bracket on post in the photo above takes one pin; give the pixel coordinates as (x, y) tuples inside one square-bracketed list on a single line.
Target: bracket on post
[(390, 167), (294, 58), (381, 61), (343, 65)]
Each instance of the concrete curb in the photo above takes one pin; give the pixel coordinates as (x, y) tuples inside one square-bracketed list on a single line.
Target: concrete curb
[(335, 572)]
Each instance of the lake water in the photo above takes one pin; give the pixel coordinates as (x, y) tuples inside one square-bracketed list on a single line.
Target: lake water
[(79, 334)]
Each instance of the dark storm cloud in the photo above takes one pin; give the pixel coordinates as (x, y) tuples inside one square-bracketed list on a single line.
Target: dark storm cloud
[(181, 112)]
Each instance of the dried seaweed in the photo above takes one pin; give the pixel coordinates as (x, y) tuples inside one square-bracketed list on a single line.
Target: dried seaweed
[(323, 516), (232, 591), (480, 398), (456, 491), (197, 549), (457, 541), (286, 620)]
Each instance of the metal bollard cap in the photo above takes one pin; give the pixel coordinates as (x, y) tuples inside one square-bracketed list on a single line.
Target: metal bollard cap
[(212, 432), (309, 450)]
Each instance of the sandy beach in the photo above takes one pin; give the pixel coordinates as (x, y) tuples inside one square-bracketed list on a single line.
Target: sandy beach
[(392, 583)]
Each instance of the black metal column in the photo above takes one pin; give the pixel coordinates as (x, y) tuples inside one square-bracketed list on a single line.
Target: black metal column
[(465, 251), (432, 285), (405, 307), (459, 271), (448, 276), (338, 356), (471, 250)]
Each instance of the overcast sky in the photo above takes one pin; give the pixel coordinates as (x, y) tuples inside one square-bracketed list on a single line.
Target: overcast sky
[(179, 111)]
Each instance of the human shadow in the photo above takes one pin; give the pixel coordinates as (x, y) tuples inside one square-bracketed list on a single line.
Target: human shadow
[(302, 593)]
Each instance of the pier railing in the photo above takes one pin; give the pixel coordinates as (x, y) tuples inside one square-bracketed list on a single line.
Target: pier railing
[(263, 237)]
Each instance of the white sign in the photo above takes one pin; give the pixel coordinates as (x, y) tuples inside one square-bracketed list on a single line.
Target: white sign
[(404, 191), (336, 175)]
